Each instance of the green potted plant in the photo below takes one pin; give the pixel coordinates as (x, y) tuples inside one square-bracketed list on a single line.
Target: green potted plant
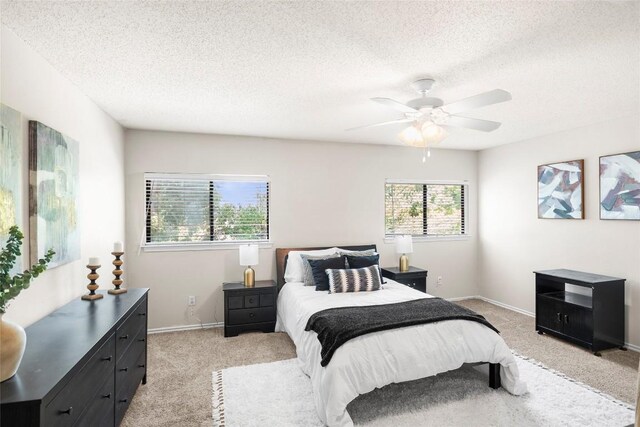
[(12, 336)]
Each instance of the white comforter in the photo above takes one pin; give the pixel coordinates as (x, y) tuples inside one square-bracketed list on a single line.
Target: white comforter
[(380, 358)]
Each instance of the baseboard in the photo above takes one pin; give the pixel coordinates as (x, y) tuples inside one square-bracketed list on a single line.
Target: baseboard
[(185, 327), (507, 306)]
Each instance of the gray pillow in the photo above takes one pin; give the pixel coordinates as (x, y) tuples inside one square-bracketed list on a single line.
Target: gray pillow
[(368, 252), (307, 273)]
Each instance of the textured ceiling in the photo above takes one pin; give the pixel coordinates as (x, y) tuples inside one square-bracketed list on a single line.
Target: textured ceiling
[(306, 70)]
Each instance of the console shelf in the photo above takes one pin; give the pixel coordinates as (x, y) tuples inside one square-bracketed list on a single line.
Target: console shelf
[(570, 298), (595, 322)]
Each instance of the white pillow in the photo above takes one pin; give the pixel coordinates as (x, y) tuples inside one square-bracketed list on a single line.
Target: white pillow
[(294, 271)]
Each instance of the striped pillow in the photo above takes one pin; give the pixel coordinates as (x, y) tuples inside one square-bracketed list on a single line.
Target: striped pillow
[(353, 279)]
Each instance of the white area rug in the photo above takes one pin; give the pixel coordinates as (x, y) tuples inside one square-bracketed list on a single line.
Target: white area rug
[(279, 394)]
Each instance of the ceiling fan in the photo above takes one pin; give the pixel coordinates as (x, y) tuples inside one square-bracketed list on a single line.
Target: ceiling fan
[(430, 116)]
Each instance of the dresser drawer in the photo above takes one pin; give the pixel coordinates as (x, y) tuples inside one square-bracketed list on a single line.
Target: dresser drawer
[(251, 315), (252, 301), (100, 410), (417, 284), (266, 300), (130, 328), (128, 385), (127, 364), (66, 407), (235, 302)]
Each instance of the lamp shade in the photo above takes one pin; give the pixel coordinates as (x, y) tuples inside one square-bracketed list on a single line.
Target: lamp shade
[(404, 244), (248, 254)]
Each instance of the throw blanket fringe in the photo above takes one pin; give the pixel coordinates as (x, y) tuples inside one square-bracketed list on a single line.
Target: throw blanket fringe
[(336, 326)]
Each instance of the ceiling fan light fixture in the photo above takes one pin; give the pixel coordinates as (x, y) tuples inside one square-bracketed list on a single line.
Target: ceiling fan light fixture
[(412, 136), (432, 133)]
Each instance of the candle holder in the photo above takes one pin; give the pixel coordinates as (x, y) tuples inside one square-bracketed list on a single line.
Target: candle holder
[(92, 286), (117, 282)]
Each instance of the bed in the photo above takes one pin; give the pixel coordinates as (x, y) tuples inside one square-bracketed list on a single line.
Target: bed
[(381, 358)]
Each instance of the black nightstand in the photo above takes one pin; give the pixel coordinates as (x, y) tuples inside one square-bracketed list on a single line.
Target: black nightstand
[(249, 309), (415, 277)]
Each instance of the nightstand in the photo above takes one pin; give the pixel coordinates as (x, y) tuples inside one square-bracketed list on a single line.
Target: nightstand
[(415, 277), (249, 309)]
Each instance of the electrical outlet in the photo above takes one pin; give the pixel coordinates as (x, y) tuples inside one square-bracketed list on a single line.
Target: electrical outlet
[(191, 301), (439, 281)]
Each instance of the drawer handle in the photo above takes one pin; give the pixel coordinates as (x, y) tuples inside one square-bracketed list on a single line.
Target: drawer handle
[(123, 369), (123, 400), (124, 337), (559, 317), (141, 365), (67, 412), (106, 396), (250, 300), (566, 319), (142, 314), (141, 339), (252, 315), (106, 359)]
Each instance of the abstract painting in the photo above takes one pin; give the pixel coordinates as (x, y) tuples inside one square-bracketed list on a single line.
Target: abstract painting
[(53, 195), (560, 190), (620, 186), (10, 174)]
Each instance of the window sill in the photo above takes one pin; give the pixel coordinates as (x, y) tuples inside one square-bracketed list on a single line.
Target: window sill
[(202, 247), (421, 239)]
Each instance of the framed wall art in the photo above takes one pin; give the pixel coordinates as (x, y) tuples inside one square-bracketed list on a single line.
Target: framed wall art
[(11, 160), (53, 195), (620, 186), (561, 190)]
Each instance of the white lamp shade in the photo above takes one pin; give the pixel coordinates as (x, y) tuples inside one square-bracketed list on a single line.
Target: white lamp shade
[(404, 244), (248, 254)]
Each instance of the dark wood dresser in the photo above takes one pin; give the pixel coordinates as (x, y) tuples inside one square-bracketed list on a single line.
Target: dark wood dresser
[(249, 309), (594, 321), (415, 277), (82, 364)]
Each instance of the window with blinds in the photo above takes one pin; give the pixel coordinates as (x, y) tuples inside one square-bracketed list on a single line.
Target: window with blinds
[(424, 209), (199, 209)]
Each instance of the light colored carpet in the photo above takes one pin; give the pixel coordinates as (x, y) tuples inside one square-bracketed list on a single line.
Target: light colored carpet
[(457, 398), (178, 391)]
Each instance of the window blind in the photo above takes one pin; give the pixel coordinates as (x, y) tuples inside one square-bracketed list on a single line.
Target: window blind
[(424, 209), (203, 209)]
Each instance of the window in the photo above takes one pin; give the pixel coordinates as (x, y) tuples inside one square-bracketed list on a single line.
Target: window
[(201, 209), (424, 209)]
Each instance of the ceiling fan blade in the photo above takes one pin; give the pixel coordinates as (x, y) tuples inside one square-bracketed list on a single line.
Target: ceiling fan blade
[(399, 106), (488, 98), (469, 123), (382, 124)]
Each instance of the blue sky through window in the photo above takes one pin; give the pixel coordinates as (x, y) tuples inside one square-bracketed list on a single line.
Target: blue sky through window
[(240, 193)]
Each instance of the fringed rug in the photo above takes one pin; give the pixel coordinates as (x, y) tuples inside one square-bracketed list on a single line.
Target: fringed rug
[(279, 394)]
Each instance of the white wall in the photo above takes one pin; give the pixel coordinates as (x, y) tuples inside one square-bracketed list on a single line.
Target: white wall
[(514, 242), (30, 85), (321, 194)]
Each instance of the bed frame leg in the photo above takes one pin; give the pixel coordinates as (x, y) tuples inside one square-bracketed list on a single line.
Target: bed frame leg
[(494, 375)]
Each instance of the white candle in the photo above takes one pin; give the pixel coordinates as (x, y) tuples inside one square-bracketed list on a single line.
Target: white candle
[(94, 260), (118, 247)]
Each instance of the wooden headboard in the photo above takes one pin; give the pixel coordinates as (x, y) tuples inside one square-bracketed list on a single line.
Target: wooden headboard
[(282, 254)]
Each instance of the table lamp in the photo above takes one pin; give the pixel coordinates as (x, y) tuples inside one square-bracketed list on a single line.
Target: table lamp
[(249, 257), (404, 245)]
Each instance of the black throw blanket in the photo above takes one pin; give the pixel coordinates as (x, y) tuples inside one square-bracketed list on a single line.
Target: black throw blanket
[(336, 326)]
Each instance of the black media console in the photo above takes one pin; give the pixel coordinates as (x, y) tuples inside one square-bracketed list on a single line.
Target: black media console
[(593, 319)]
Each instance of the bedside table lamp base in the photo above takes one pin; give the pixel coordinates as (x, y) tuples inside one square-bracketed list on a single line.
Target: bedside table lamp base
[(404, 263), (249, 277)]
